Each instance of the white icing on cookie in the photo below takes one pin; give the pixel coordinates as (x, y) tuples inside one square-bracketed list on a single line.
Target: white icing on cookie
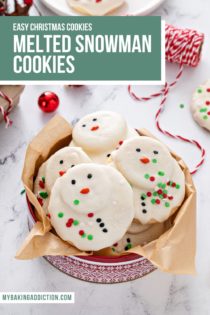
[(144, 162), (91, 206), (200, 105), (100, 133), (55, 167), (95, 7), (159, 203), (146, 234)]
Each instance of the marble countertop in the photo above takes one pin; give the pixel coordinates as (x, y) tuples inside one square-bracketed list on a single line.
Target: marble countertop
[(158, 293)]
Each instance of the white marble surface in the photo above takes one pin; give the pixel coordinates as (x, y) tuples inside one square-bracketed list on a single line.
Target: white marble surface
[(157, 293)]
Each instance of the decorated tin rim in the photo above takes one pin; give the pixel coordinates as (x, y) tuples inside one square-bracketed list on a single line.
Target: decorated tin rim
[(99, 269)]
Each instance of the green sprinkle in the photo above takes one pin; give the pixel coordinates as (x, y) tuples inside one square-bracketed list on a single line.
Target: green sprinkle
[(161, 173), (167, 204), (60, 214), (43, 179), (177, 186), (163, 186), (43, 194), (76, 222), (153, 201), (76, 202), (146, 176), (181, 105), (155, 193), (199, 90), (129, 246), (22, 191), (154, 161), (84, 235), (144, 196), (161, 196), (113, 249), (203, 110), (205, 117), (165, 191), (90, 237), (159, 185)]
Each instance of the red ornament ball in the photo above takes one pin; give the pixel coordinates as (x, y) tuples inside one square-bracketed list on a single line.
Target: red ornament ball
[(48, 102), (28, 2)]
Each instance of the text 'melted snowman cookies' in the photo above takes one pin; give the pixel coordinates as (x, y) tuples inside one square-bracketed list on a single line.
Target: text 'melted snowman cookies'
[(91, 206)]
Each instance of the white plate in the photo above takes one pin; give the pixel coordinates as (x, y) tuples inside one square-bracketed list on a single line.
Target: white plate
[(135, 7)]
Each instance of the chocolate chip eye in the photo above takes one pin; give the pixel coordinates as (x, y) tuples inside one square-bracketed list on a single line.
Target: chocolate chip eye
[(73, 181), (108, 155), (83, 125), (138, 150), (61, 162), (89, 176), (94, 119), (128, 240), (72, 165), (155, 152)]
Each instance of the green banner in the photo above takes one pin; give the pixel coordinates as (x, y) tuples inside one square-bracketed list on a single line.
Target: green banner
[(113, 48)]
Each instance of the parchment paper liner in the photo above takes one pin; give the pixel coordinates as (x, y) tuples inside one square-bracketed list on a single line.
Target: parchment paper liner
[(173, 251)]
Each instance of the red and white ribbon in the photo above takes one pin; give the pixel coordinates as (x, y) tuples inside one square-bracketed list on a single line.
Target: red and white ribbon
[(183, 46), (5, 113)]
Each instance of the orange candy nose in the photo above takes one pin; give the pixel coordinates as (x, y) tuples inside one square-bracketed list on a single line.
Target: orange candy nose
[(61, 173), (94, 128), (84, 191), (145, 160)]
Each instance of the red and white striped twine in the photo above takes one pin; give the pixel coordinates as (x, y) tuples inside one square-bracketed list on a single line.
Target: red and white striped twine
[(5, 113), (183, 46)]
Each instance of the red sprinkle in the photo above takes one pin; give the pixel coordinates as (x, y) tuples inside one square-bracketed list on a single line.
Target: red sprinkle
[(208, 90), (165, 195), (208, 113), (170, 197), (159, 191), (41, 184), (69, 222), (207, 103), (173, 185), (152, 178), (81, 232), (121, 142), (40, 201), (115, 244), (90, 215), (157, 201), (149, 194), (97, 1), (48, 215)]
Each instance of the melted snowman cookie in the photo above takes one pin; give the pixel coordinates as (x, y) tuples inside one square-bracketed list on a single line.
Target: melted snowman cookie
[(101, 133), (95, 7), (200, 105), (91, 206), (55, 167), (145, 234), (144, 162), (159, 203)]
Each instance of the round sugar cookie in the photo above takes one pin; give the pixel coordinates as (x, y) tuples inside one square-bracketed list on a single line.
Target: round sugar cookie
[(55, 167), (99, 132), (146, 234), (159, 203), (91, 206), (95, 7), (143, 161), (200, 105)]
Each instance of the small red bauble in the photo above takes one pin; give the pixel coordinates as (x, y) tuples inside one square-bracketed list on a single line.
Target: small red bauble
[(28, 2), (48, 102)]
